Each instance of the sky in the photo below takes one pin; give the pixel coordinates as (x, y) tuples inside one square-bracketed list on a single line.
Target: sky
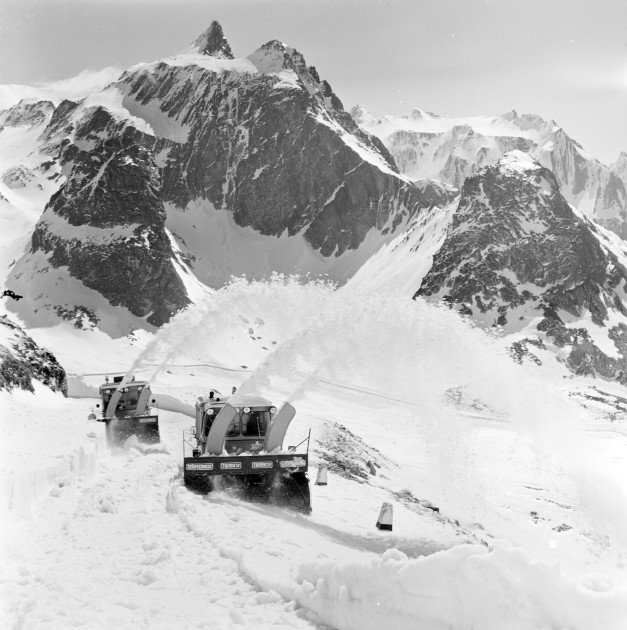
[(565, 60)]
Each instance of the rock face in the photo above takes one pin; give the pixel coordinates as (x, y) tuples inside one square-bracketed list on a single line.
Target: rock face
[(212, 42), (19, 177), (106, 225), (516, 254), (425, 145), (22, 360), (266, 140), (619, 168)]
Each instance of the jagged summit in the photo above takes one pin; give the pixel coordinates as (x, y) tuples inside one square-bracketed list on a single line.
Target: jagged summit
[(213, 43), (526, 122), (275, 56), (620, 166), (361, 115), (418, 114)]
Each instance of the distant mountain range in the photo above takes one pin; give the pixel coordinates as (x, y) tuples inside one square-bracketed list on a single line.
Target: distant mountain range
[(425, 145), (124, 206)]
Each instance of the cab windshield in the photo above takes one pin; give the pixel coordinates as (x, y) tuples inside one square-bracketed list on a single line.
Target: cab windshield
[(250, 424), (129, 396)]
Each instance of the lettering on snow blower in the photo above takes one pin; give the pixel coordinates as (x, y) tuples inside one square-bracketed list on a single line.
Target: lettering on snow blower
[(207, 466), (297, 462)]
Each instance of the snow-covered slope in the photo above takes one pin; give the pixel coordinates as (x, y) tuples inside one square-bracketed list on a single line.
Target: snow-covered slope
[(529, 485), (426, 145)]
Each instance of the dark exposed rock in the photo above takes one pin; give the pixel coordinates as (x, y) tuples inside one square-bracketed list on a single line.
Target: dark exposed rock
[(515, 250), (123, 251), (83, 317), (519, 350), (263, 139), (212, 42), (276, 154), (346, 454), (19, 176), (22, 360), (511, 230)]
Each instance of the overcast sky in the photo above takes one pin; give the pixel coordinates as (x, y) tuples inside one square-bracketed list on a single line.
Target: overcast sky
[(563, 59)]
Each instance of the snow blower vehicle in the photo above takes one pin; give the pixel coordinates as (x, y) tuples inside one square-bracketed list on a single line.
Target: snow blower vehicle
[(126, 407), (239, 448)]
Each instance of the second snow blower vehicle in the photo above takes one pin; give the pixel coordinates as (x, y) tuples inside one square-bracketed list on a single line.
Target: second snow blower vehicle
[(239, 447), (126, 407)]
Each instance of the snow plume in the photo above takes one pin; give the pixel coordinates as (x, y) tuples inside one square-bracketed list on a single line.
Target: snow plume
[(447, 372), (454, 386), (83, 84), (74, 88), (281, 305)]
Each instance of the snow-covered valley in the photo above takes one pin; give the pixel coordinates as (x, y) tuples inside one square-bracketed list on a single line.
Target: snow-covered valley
[(529, 484)]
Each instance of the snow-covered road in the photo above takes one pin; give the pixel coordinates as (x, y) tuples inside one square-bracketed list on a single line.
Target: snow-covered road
[(528, 484), (115, 551)]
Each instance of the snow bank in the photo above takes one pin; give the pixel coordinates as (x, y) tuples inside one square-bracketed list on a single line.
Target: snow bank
[(466, 586), (45, 442), (463, 587)]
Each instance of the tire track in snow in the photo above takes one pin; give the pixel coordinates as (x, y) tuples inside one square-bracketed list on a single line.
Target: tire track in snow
[(106, 553)]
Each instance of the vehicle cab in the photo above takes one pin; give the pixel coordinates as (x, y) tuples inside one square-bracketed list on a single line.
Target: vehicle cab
[(129, 397), (248, 428)]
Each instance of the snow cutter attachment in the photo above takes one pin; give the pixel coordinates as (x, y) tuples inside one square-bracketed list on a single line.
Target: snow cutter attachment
[(243, 444), (126, 408)]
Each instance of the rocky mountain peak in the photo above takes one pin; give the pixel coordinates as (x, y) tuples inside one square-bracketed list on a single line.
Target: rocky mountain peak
[(517, 256), (360, 114), (27, 112), (526, 122), (419, 114), (620, 166), (213, 43), (274, 56), (516, 246)]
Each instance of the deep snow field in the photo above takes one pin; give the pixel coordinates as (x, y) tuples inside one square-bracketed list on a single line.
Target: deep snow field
[(530, 485)]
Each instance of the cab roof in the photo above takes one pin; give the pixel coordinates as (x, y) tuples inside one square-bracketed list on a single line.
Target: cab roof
[(112, 385), (249, 400)]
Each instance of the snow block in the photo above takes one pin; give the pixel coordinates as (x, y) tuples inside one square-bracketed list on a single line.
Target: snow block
[(385, 517), (321, 477)]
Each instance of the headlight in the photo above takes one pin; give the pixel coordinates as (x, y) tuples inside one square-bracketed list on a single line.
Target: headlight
[(246, 409), (209, 412), (272, 409)]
